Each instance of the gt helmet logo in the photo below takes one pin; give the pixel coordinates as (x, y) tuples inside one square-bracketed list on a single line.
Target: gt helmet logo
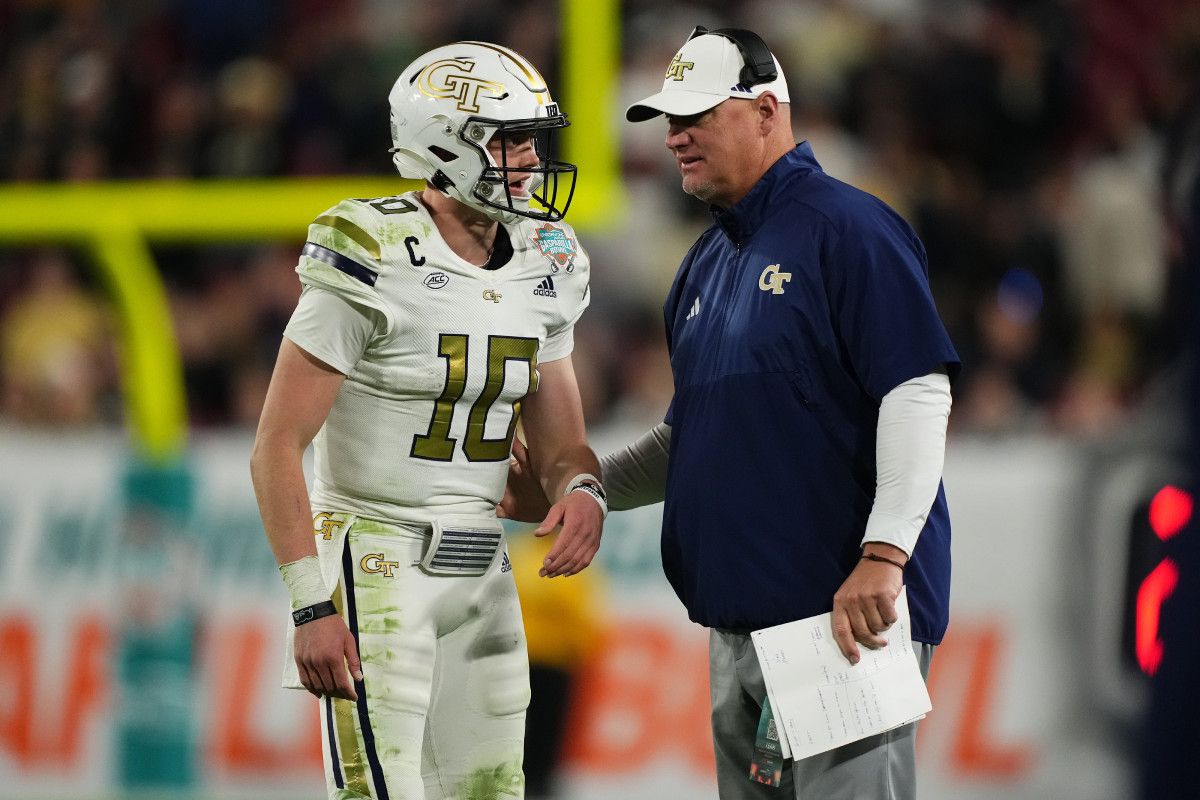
[(448, 79)]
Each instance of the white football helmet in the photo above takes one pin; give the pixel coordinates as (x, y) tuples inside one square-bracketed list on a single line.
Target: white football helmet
[(449, 103)]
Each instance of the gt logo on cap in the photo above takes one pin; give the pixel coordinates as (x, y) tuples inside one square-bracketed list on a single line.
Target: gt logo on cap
[(676, 68), (440, 80)]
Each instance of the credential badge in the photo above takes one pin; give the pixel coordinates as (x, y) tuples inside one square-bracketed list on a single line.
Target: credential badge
[(554, 243)]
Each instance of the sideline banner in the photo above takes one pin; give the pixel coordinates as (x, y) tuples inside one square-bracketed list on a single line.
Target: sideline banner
[(141, 641)]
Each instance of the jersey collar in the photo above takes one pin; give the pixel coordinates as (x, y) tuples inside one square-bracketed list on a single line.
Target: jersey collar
[(502, 250), (743, 218)]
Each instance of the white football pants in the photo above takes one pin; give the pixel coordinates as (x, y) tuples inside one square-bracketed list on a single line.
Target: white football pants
[(441, 710)]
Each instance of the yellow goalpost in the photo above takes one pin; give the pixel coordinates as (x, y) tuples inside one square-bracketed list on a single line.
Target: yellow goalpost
[(116, 222)]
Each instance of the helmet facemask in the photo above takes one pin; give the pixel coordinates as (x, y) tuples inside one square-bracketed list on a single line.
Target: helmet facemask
[(543, 183)]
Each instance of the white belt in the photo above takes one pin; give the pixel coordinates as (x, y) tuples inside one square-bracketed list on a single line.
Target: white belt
[(463, 546)]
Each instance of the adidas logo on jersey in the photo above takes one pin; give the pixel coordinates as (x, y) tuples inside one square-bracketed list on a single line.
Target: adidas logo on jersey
[(505, 564), (546, 288), (695, 309)]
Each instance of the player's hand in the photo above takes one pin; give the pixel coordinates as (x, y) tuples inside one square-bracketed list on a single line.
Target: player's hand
[(327, 658), (523, 499), (865, 605), (582, 523)]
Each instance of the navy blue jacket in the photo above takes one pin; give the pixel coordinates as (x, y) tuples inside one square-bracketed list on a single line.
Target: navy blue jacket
[(789, 320)]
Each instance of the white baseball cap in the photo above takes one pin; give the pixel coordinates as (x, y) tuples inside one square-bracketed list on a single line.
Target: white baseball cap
[(703, 74)]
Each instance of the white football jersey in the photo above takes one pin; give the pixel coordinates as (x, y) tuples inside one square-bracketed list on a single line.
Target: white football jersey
[(423, 424)]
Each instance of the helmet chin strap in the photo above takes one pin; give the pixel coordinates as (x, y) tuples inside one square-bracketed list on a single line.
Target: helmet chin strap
[(441, 181), (495, 211)]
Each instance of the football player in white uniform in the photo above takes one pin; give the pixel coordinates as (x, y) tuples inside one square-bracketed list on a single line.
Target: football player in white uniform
[(429, 322)]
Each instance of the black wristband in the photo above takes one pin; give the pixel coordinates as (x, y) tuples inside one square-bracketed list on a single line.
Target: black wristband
[(325, 608), (596, 487), (596, 493), (883, 559), (593, 490)]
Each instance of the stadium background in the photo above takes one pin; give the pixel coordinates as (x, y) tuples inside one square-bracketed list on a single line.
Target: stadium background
[(161, 159)]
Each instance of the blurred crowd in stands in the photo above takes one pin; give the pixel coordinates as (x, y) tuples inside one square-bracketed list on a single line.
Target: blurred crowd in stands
[(1032, 144)]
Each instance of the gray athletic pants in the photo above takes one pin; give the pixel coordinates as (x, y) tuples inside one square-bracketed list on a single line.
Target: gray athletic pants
[(880, 767)]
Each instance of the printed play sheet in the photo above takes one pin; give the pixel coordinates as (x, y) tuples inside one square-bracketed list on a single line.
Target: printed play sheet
[(820, 701)]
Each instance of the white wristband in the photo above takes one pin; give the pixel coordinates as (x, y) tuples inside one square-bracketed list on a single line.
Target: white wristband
[(583, 477), (304, 582), (593, 493), (586, 482)]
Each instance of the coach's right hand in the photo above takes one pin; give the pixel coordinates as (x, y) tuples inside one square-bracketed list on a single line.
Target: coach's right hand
[(327, 658)]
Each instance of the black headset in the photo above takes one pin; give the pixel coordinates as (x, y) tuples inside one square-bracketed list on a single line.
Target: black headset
[(758, 66)]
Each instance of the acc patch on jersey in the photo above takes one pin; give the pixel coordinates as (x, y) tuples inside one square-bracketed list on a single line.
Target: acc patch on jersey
[(555, 244)]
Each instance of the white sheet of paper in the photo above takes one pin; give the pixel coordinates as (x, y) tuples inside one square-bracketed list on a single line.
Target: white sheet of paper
[(820, 701)]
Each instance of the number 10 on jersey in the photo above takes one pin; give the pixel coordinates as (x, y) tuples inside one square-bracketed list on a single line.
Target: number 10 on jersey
[(436, 444)]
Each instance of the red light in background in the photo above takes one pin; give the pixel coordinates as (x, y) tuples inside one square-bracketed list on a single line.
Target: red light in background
[(1170, 511), (1154, 590)]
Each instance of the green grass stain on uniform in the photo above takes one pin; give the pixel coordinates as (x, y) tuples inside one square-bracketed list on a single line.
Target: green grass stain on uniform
[(381, 623), (494, 783), (362, 526), (392, 233), (337, 241)]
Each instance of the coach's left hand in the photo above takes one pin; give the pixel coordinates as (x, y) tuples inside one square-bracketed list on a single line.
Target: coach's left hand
[(865, 605), (582, 523)]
